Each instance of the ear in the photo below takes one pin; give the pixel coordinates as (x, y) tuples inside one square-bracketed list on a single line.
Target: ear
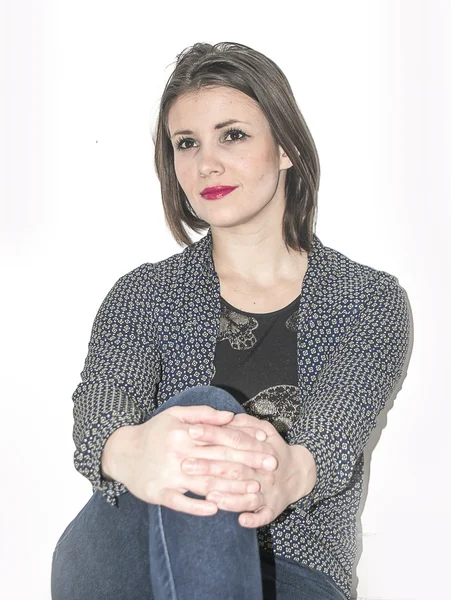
[(284, 161)]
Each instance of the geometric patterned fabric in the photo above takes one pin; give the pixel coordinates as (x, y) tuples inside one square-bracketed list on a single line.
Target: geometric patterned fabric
[(338, 353)]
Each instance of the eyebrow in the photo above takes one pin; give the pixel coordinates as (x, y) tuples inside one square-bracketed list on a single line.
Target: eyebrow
[(218, 126)]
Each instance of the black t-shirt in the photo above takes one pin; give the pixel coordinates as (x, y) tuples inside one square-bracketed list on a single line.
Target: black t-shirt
[(256, 362)]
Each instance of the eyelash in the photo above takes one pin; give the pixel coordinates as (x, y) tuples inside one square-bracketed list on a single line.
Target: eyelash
[(228, 132)]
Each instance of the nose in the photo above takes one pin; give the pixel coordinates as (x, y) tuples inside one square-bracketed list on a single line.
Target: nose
[(209, 161)]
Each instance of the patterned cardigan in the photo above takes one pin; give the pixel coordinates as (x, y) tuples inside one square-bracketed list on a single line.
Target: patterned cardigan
[(155, 334)]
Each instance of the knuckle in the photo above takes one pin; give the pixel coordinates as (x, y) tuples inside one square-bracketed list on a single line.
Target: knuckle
[(234, 473), (222, 470)]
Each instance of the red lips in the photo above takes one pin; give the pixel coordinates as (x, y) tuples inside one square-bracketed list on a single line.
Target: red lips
[(218, 189)]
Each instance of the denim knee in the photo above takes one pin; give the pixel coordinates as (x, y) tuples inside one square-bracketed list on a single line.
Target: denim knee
[(204, 395)]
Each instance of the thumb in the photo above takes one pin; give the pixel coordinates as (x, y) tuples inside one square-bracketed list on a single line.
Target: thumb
[(202, 413)]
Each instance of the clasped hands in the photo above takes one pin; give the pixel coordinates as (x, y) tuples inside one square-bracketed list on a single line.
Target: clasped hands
[(253, 470)]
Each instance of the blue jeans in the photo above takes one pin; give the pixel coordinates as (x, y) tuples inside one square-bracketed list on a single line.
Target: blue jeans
[(142, 551)]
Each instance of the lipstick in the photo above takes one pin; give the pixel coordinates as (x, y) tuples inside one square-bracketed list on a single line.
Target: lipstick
[(214, 193)]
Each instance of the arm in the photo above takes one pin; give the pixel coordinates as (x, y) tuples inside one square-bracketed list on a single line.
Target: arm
[(304, 473), (122, 441), (352, 389), (119, 378)]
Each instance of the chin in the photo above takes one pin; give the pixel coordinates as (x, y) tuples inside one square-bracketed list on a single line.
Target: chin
[(227, 223)]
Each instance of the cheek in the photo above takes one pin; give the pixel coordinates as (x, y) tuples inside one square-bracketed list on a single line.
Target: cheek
[(263, 170), (182, 173), (258, 166)]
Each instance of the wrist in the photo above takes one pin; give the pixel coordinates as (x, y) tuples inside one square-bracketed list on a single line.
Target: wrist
[(120, 445), (304, 475)]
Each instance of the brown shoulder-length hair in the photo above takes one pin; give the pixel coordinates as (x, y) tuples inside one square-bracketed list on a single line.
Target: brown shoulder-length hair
[(244, 69)]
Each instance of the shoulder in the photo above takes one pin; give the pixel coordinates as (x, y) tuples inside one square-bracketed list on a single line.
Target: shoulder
[(347, 288), (348, 272), (149, 275)]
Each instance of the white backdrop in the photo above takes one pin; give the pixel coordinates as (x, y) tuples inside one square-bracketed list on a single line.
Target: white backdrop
[(81, 206)]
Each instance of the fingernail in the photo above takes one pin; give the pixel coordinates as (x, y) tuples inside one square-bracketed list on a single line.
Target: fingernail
[(196, 430), (270, 463), (260, 435), (253, 487)]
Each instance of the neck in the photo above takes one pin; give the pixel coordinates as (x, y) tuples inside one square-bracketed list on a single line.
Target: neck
[(257, 256)]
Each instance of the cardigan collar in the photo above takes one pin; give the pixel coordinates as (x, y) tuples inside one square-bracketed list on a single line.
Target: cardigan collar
[(199, 297), (322, 273)]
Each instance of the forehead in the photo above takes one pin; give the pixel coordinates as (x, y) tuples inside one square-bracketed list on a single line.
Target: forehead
[(212, 104)]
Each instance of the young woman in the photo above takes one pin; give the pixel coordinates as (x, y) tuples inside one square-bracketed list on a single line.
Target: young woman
[(229, 390)]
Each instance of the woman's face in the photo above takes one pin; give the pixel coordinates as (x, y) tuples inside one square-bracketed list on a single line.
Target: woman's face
[(241, 153)]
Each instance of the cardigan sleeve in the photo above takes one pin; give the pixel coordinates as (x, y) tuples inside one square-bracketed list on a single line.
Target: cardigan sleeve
[(352, 389), (120, 376)]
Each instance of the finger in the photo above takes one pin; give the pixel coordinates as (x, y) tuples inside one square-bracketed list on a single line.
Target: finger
[(231, 437), (201, 414), (203, 484), (236, 502), (173, 499), (219, 468), (255, 432), (262, 516), (251, 431), (256, 460), (246, 420)]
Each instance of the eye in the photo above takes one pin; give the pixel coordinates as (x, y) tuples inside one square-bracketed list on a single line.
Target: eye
[(232, 132), (235, 131), (182, 141)]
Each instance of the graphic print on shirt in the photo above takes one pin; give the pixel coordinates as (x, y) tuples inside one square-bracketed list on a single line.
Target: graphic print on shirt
[(292, 321), (279, 403), (237, 329)]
